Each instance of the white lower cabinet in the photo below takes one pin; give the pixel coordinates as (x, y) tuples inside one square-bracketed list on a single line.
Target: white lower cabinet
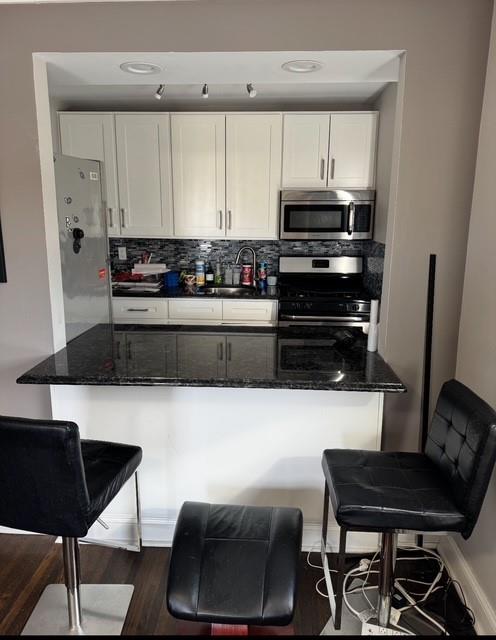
[(195, 310), (264, 311), (140, 310)]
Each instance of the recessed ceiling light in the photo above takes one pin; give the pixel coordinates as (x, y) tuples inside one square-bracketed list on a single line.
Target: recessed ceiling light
[(143, 68), (302, 66)]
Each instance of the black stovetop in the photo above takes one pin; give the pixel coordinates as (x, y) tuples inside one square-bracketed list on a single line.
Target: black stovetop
[(322, 288)]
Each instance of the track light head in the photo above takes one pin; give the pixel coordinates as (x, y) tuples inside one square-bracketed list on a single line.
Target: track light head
[(251, 90), (160, 92), (205, 91)]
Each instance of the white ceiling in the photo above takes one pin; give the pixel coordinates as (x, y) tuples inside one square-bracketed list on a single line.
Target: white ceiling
[(95, 80)]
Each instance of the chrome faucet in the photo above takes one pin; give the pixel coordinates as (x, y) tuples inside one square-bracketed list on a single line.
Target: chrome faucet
[(240, 253)]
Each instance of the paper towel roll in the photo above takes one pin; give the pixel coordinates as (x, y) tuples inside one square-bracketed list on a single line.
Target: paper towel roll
[(372, 337), (374, 311)]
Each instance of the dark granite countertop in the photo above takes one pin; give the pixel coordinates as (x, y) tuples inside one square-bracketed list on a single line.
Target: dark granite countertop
[(258, 357), (271, 293)]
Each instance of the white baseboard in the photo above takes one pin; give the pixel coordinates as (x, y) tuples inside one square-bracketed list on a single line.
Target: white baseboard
[(459, 569), (158, 532)]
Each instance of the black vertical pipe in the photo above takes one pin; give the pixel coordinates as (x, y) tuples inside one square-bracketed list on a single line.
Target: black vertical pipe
[(426, 382), (426, 385)]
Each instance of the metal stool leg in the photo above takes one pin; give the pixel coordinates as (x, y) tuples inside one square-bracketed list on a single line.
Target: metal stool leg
[(386, 577), (335, 599), (70, 550), (340, 578), (79, 609)]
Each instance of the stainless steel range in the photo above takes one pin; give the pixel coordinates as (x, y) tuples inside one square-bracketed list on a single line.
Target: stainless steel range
[(319, 290)]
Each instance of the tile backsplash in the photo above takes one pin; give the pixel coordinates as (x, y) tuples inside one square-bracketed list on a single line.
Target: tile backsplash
[(183, 253)]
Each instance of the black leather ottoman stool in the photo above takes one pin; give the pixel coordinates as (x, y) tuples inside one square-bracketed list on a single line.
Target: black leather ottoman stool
[(234, 565)]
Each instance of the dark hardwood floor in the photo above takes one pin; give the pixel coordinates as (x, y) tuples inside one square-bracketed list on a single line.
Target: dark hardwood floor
[(29, 563)]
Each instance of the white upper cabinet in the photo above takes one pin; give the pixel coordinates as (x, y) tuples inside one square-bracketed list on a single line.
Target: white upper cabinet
[(217, 175), (305, 150), (253, 174), (92, 136), (352, 150), (334, 150), (199, 174), (144, 172)]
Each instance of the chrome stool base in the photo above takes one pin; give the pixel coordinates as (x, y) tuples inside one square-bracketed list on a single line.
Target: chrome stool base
[(103, 611)]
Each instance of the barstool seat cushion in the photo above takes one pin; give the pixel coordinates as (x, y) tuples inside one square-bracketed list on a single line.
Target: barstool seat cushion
[(235, 564), (107, 467), (381, 491)]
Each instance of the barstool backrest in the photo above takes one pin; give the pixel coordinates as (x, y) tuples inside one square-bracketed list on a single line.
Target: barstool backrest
[(42, 483), (462, 443)]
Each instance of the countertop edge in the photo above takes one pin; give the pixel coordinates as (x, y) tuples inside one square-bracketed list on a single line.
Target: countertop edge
[(227, 384)]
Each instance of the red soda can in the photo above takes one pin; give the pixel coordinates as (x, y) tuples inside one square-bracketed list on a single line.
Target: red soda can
[(247, 275)]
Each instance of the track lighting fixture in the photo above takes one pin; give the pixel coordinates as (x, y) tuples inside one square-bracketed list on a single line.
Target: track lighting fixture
[(160, 92), (205, 91), (251, 91)]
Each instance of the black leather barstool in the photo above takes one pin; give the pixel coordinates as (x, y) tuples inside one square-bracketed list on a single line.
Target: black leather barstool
[(54, 483), (439, 490)]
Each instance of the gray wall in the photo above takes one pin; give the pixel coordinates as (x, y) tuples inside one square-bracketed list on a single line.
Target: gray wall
[(447, 44), (476, 363), (386, 105)]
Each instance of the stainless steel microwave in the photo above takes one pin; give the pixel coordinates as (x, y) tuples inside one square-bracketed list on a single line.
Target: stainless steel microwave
[(327, 215)]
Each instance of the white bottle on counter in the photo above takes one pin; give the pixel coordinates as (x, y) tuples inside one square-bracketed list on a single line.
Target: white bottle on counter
[(372, 338)]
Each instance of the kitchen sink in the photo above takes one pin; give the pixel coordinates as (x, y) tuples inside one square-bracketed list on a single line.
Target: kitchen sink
[(230, 291)]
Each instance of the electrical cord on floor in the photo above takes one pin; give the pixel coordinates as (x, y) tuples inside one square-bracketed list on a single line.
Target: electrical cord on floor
[(415, 606), (321, 593), (356, 573), (468, 614), (314, 566), (364, 570)]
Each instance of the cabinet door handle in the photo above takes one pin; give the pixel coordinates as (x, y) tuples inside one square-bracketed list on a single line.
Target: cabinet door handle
[(129, 352), (229, 218), (136, 309), (111, 217), (229, 351), (333, 165), (118, 346), (322, 168), (220, 218), (123, 218), (220, 351)]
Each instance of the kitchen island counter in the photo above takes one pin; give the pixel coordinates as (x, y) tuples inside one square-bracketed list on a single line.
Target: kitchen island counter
[(225, 356), (224, 414)]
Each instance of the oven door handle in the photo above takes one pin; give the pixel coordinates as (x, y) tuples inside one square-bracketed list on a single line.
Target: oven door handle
[(284, 316), (351, 218)]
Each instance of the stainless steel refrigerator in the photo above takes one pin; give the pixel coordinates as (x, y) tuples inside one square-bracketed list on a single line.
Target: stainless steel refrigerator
[(83, 244)]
